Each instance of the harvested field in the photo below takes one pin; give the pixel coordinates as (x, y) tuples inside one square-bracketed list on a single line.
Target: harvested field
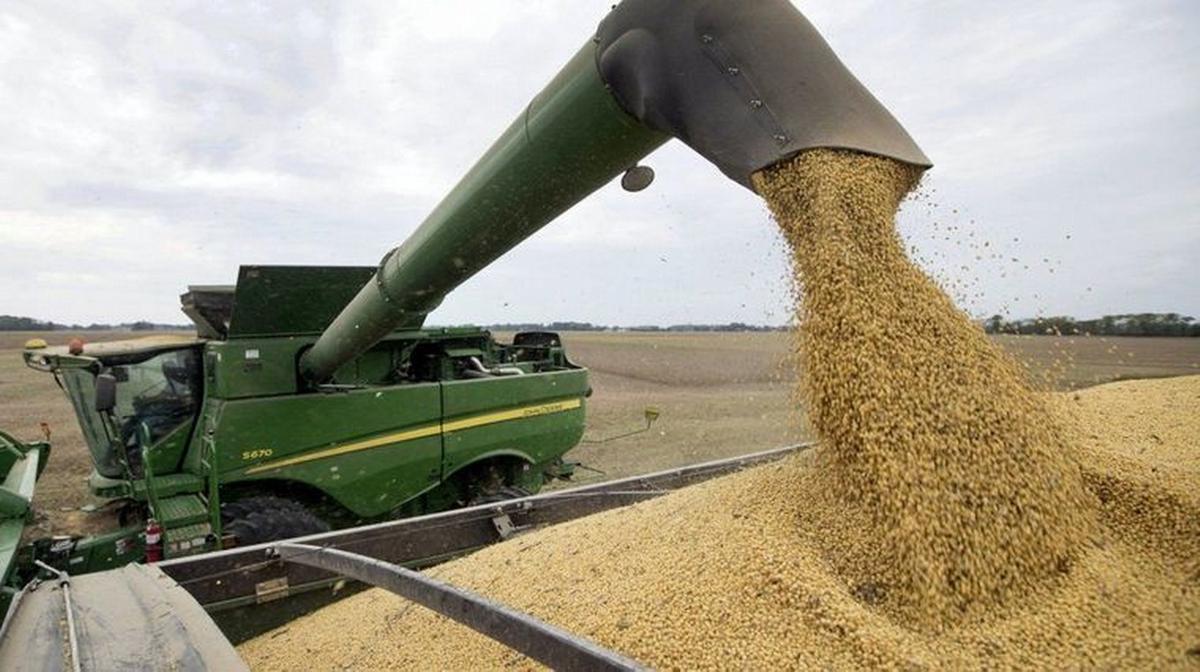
[(747, 589), (720, 394), (28, 398), (725, 394)]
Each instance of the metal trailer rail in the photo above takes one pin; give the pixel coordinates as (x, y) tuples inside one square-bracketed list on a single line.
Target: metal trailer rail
[(242, 576), (64, 581), (554, 647)]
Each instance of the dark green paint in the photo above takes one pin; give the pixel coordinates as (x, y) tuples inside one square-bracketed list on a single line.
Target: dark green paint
[(367, 482), (282, 300), (571, 140)]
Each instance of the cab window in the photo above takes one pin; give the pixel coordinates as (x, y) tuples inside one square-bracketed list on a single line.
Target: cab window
[(162, 392)]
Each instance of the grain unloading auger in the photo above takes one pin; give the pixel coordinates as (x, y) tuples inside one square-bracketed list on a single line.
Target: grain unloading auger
[(280, 390), (745, 84)]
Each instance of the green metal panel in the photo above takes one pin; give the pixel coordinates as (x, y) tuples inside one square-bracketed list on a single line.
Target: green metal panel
[(167, 455), (367, 368), (373, 449), (106, 551), (571, 140), (181, 510), (205, 432), (282, 300), (21, 464), (463, 398), (253, 367), (262, 367), (165, 485), (550, 409), (326, 441), (187, 540)]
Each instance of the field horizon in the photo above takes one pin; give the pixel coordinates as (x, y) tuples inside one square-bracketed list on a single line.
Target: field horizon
[(719, 394)]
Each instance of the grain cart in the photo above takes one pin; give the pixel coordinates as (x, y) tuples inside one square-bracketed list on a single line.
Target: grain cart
[(314, 394)]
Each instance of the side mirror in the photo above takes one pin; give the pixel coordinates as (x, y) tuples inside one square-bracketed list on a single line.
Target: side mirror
[(106, 392)]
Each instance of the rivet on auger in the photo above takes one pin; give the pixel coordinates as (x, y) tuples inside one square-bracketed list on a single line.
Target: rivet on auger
[(637, 178)]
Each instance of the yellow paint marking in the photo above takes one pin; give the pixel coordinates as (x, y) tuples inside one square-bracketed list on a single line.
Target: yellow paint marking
[(422, 432), (407, 435), (514, 414)]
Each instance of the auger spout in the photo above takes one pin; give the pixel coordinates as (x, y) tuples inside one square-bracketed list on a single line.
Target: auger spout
[(745, 84)]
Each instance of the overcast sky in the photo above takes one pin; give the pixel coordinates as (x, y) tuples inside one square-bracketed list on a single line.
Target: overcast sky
[(150, 146)]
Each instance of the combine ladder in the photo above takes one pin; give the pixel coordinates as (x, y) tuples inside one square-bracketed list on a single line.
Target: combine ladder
[(188, 519)]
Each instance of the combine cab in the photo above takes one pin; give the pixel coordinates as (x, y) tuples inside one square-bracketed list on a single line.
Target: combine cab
[(216, 440)]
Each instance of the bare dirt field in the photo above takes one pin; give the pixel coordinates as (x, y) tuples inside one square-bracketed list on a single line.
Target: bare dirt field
[(28, 398), (719, 395), (723, 394)]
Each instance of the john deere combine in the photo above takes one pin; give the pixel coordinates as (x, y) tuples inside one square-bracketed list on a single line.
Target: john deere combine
[(219, 439), (315, 396)]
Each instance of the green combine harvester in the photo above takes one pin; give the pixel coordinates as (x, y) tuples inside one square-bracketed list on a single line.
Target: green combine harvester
[(316, 397), (219, 440)]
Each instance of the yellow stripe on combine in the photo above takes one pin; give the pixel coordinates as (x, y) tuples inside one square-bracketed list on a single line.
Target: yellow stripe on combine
[(422, 432), (513, 414), (407, 435)]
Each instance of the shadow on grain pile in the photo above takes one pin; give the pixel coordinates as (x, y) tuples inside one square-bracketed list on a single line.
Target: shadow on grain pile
[(952, 516)]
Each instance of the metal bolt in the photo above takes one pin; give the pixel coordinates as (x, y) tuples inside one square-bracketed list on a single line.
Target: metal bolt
[(781, 139), (707, 39), (733, 70), (756, 103)]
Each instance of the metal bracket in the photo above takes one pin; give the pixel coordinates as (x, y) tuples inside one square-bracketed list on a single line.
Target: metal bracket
[(64, 581), (271, 590), (504, 526)]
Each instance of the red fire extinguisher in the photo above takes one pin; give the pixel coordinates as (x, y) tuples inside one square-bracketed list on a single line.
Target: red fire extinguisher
[(154, 546)]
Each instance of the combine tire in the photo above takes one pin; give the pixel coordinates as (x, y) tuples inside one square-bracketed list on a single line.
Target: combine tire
[(255, 520), (231, 511)]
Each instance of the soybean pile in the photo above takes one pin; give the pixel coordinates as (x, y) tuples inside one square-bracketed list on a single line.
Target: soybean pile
[(951, 516)]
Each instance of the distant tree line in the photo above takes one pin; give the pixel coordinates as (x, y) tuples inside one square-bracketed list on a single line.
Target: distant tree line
[(588, 326), (15, 323), (1133, 324)]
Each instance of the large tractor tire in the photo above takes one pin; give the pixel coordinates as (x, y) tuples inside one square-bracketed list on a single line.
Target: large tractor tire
[(231, 511), (255, 520)]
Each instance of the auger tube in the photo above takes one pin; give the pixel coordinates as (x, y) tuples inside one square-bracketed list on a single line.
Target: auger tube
[(745, 84)]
